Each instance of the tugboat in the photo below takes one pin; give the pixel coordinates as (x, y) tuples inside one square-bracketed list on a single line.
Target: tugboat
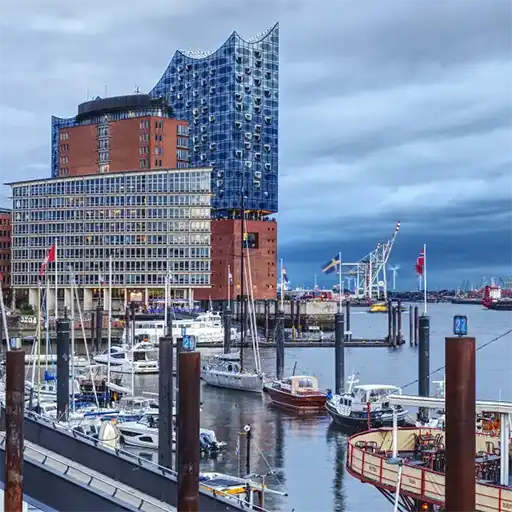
[(363, 406), (299, 393)]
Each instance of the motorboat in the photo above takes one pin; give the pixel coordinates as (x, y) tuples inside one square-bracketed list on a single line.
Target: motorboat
[(243, 491), (363, 406), (382, 307), (144, 434), (47, 390), (225, 371), (116, 355), (141, 359), (299, 393)]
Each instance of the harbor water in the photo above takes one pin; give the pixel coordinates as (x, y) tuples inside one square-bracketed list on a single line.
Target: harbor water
[(307, 454)]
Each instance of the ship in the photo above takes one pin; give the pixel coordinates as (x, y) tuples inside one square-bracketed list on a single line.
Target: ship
[(494, 300)]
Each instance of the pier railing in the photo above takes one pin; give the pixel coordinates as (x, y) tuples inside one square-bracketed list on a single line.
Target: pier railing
[(418, 483)]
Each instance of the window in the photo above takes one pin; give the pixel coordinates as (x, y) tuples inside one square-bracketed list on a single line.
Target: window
[(63, 135), (182, 129), (182, 154), (252, 241)]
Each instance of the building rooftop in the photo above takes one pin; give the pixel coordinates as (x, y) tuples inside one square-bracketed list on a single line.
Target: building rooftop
[(111, 174)]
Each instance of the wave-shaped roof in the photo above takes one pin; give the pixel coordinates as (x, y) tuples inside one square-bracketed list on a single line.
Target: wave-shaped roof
[(202, 54)]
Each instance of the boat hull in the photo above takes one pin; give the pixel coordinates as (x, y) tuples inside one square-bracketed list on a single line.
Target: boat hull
[(304, 404), (355, 423), (239, 381)]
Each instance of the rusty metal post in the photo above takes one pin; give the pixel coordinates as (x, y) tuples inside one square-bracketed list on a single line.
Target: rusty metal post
[(15, 404), (393, 326), (188, 432), (460, 425), (347, 318), (165, 398), (424, 361), (279, 335)]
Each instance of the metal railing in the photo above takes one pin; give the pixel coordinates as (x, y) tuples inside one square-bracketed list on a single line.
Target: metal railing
[(88, 478)]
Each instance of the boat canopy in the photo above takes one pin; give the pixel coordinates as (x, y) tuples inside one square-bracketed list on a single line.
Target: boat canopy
[(302, 382)]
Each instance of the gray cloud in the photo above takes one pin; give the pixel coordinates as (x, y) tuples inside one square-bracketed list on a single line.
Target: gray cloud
[(389, 109)]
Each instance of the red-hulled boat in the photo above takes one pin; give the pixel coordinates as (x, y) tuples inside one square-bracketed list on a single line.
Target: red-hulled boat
[(299, 393)]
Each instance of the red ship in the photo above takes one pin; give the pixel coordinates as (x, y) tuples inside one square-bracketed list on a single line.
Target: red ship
[(493, 299), (299, 393)]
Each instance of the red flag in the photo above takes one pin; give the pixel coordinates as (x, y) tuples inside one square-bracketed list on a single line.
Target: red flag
[(420, 262), (51, 256)]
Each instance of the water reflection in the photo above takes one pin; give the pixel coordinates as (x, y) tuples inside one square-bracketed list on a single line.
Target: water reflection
[(338, 441)]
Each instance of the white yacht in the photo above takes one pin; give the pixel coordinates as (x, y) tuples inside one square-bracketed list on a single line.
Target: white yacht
[(144, 434), (206, 327), (224, 371), (141, 359), (116, 354)]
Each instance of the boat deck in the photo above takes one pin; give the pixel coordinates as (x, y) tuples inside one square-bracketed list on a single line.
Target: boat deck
[(422, 452)]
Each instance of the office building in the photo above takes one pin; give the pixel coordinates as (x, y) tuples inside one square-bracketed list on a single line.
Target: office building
[(121, 133), (152, 222)]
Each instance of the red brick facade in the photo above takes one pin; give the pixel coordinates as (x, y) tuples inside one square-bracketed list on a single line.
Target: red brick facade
[(138, 143), (5, 247), (262, 259)]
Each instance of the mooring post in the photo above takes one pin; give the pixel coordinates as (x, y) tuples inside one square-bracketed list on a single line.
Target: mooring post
[(266, 309), (298, 316), (393, 326), (416, 324), (390, 323), (347, 320), (62, 369), (276, 314), (227, 331), (188, 432), (14, 415), (127, 325), (399, 337), (460, 424), (424, 360), (165, 399), (279, 334), (169, 322), (339, 352), (411, 326), (248, 433), (292, 314), (99, 326)]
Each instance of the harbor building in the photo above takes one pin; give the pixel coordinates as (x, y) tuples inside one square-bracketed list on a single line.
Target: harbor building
[(153, 223), (121, 133), (229, 98)]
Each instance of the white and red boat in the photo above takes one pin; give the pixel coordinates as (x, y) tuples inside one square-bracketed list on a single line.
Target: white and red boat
[(299, 393), (493, 299)]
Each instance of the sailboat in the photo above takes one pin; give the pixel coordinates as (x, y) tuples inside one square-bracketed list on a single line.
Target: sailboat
[(227, 370)]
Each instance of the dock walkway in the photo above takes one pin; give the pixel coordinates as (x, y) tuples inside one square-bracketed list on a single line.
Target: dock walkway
[(100, 487)]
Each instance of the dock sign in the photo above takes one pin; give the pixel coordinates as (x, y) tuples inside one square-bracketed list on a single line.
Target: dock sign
[(460, 325)]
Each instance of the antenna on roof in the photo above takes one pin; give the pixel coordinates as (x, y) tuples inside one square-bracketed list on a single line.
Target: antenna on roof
[(106, 91), (137, 89)]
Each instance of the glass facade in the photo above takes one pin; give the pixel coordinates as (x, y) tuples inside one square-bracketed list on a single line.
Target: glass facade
[(151, 222), (230, 98)]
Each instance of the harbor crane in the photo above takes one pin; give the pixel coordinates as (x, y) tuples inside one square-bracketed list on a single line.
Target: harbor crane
[(369, 272)]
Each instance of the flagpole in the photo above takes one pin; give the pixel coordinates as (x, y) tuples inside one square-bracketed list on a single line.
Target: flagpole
[(282, 287), (56, 286), (425, 276), (38, 343), (166, 299), (341, 285), (47, 321), (72, 286)]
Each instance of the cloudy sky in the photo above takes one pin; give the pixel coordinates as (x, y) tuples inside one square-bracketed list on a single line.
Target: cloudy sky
[(390, 110)]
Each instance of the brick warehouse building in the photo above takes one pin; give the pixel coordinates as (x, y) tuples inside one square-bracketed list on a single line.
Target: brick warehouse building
[(5, 251), (230, 99)]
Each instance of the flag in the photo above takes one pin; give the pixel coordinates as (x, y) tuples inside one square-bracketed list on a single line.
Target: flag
[(285, 275), (420, 262), (331, 266), (50, 257)]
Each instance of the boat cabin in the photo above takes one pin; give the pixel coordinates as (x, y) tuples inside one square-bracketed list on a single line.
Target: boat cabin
[(134, 404), (360, 396), (298, 385)]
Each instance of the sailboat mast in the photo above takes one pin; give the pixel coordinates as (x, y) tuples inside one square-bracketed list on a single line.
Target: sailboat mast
[(109, 341), (46, 322), (72, 283), (38, 344), (242, 301)]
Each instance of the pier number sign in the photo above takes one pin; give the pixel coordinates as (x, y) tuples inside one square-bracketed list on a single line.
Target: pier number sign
[(460, 325)]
